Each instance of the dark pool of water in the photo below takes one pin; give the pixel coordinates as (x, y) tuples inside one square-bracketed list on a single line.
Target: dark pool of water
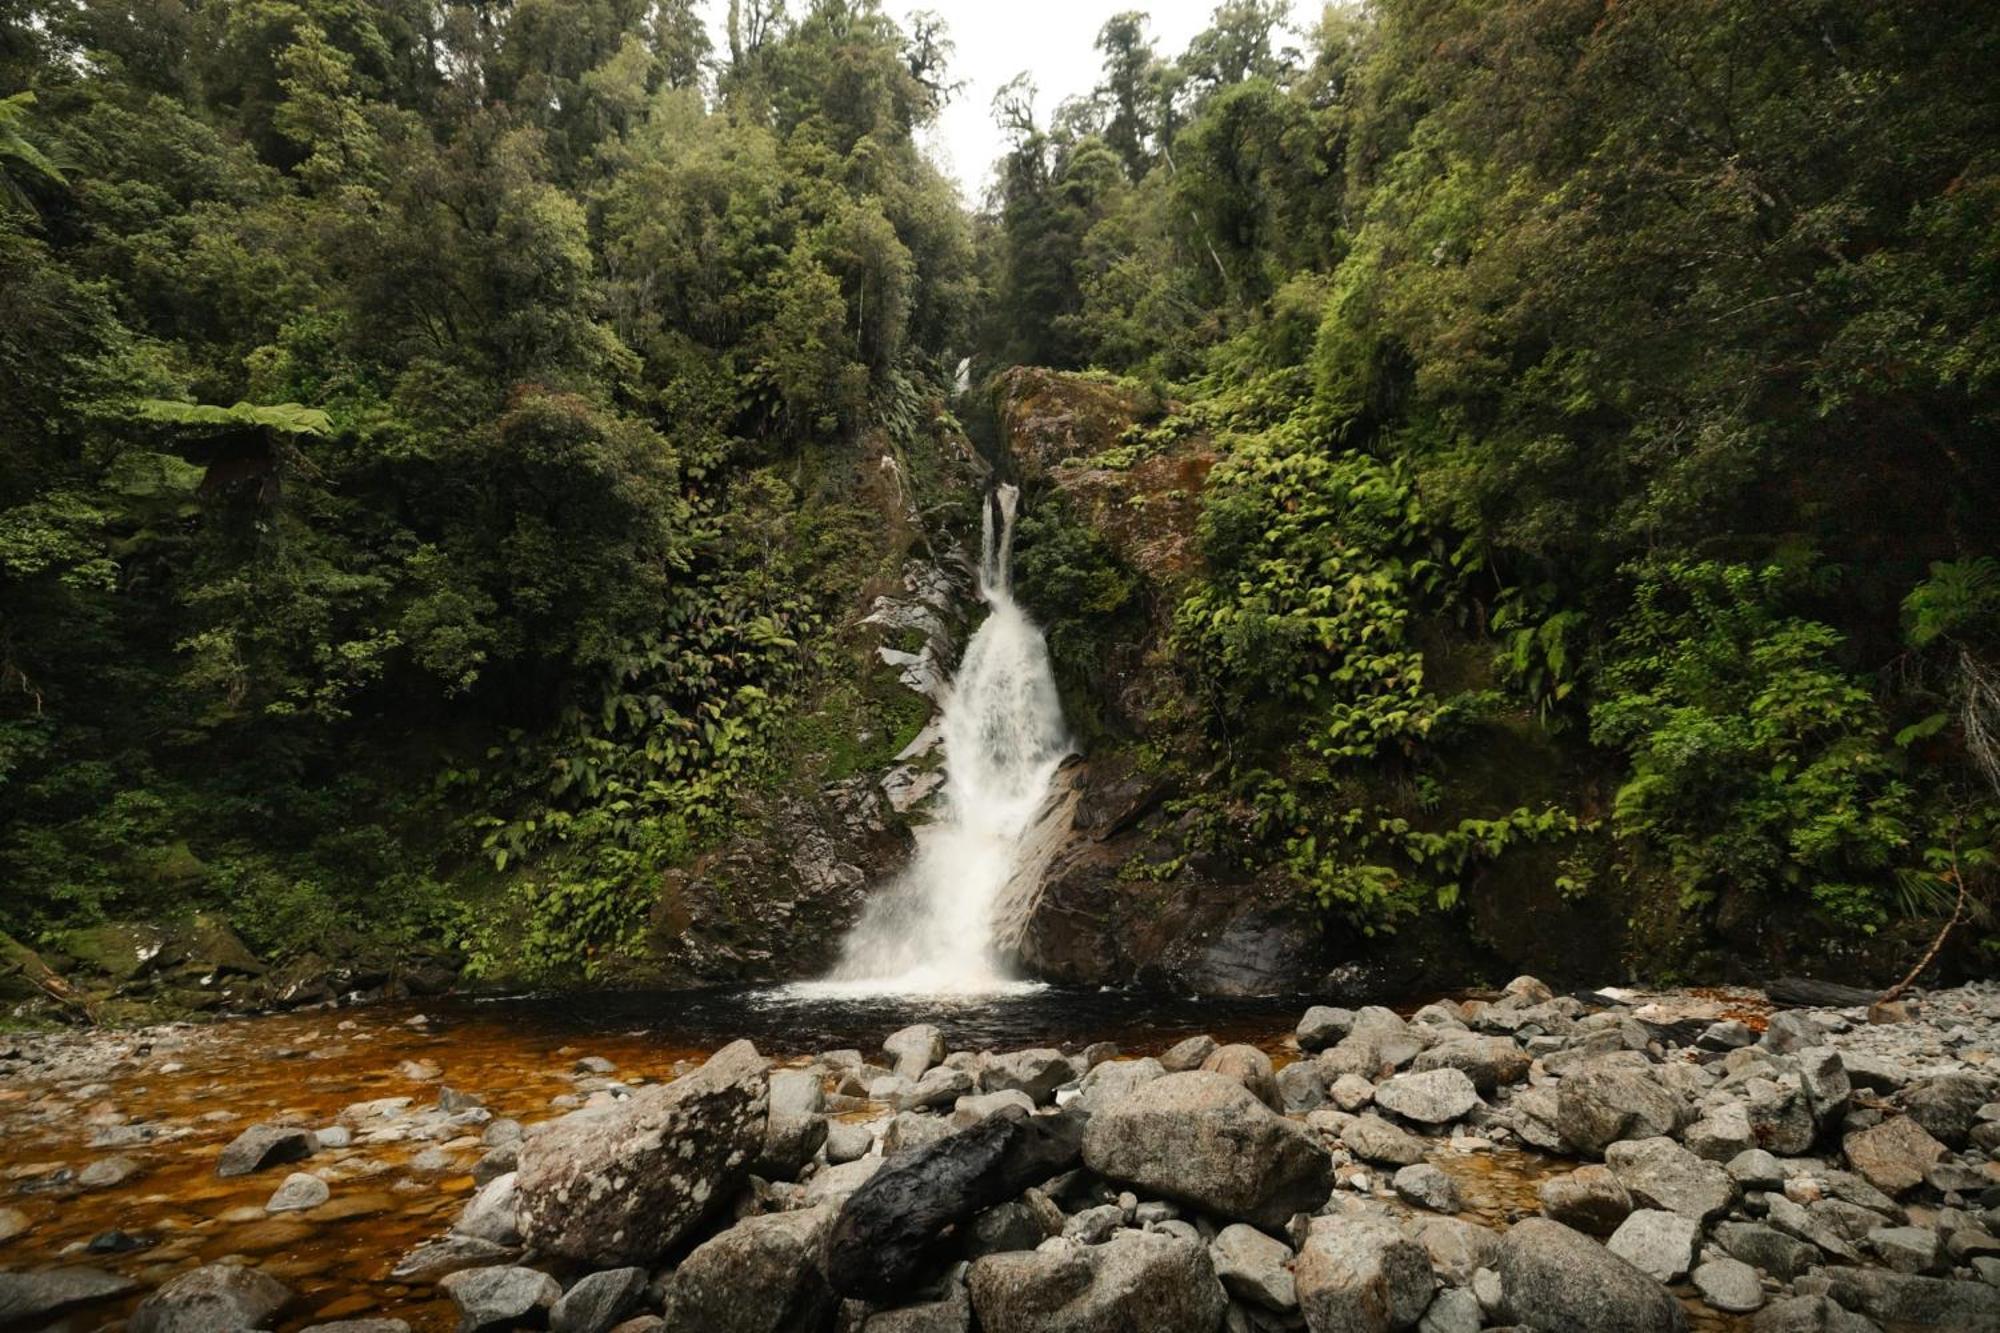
[(782, 1021)]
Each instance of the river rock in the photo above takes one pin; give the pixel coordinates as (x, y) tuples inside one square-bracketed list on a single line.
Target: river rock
[(494, 1213), (1360, 1275), (1947, 1106), (951, 1313), (1729, 1285), (1137, 1282), (299, 1192), (1254, 1267), (885, 1233), (625, 1185), (599, 1301), (795, 1122), (1038, 1073), (1018, 1224), (1722, 1135), (1187, 1054), (1658, 1244), (967, 1111), (1452, 1310), (1374, 1139), (1783, 1257), (1589, 1199), (12, 1223), (1659, 1173), (359, 1326), (847, 1141), (1810, 1314), (1301, 1087), (941, 1086), (1920, 1302), (1791, 1031), (836, 1184), (211, 1298), (1458, 1249), (762, 1275), (1322, 1026), (1427, 1187), (1906, 1249), (500, 1298), (1894, 1155), (1350, 1092), (1250, 1067), (1202, 1138), (1436, 1097), (28, 1298), (1490, 1062), (914, 1049), (1561, 1281), (106, 1172), (1601, 1103), (1113, 1079), (264, 1145), (435, 1260)]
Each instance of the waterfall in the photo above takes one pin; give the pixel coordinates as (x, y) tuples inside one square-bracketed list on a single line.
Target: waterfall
[(931, 930)]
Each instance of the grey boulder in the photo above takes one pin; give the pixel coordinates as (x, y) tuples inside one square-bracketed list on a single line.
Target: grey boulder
[(625, 1185), (762, 1275), (210, 1298), (1136, 1282), (1202, 1138), (501, 1298), (1561, 1281), (1360, 1275)]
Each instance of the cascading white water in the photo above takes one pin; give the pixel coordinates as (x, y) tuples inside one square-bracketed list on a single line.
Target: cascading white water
[(932, 930)]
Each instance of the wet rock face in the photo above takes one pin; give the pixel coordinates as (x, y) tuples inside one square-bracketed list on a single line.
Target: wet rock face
[(1135, 1282), (1203, 1138), (625, 1185), (885, 1235)]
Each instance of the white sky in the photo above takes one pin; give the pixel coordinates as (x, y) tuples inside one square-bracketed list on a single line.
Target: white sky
[(1052, 39)]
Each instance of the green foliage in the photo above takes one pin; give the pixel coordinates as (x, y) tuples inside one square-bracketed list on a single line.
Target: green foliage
[(491, 557), (1757, 762)]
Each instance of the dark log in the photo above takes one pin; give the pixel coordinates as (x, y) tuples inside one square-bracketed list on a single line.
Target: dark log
[(888, 1232), (1805, 993)]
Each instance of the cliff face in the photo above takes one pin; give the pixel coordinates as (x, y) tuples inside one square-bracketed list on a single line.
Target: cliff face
[(1130, 889)]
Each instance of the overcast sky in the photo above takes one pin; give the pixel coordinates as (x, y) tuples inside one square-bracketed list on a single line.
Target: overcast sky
[(997, 39)]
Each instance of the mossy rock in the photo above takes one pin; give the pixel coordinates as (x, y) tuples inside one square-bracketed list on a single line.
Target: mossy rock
[(23, 974), (120, 950)]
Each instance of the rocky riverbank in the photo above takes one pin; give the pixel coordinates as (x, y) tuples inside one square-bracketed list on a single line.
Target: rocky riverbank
[(1528, 1160)]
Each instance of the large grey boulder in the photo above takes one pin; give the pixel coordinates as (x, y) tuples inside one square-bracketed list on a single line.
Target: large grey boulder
[(498, 1298), (1659, 1244), (887, 1232), (795, 1123), (914, 1049), (1435, 1097), (1894, 1155), (1374, 1139), (939, 1087), (1322, 1026), (1782, 1256), (1600, 1103), (494, 1214), (1113, 1079), (1427, 1186), (1810, 1314), (625, 1185), (762, 1275), (28, 1298), (1188, 1053), (1589, 1199), (1301, 1087), (1202, 1138), (1918, 1302), (265, 1145), (1947, 1106), (1361, 1275), (1136, 1282), (1729, 1285), (211, 1298), (1254, 1267), (1659, 1173), (1038, 1072), (1561, 1281), (1490, 1062)]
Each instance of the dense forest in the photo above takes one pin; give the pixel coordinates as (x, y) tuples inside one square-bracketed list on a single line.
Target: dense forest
[(437, 442)]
